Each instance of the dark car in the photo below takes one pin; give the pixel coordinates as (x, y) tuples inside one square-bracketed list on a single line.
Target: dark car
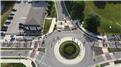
[(14, 10), (2, 34), (21, 26), (10, 18), (4, 28), (18, 2), (12, 14), (7, 22)]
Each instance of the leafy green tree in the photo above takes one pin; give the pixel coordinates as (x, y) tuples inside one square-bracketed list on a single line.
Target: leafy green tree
[(92, 22), (76, 9)]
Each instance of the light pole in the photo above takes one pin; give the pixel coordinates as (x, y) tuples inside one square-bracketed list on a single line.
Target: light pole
[(110, 27)]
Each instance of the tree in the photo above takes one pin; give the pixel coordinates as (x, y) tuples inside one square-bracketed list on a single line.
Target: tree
[(92, 22), (100, 4), (76, 9)]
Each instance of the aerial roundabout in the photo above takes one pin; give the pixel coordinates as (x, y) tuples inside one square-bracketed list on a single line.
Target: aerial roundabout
[(69, 50)]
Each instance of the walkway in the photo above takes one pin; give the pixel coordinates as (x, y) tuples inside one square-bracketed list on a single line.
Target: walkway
[(27, 62)]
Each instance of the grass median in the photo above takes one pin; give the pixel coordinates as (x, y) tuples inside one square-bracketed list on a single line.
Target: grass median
[(39, 49), (12, 65), (16, 48), (47, 24)]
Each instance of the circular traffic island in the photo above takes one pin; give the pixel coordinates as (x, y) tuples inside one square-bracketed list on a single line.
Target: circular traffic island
[(69, 49)]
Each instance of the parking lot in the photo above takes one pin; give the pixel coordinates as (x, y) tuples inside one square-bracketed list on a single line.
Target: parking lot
[(31, 16)]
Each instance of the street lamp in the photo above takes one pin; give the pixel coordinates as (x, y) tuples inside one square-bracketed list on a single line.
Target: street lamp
[(110, 28)]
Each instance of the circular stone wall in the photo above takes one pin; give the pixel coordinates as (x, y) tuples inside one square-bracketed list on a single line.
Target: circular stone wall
[(68, 51)]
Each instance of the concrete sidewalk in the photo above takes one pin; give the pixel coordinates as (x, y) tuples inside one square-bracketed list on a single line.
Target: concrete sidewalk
[(27, 63)]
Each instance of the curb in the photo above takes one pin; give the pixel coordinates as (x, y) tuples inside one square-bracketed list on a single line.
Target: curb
[(89, 33)]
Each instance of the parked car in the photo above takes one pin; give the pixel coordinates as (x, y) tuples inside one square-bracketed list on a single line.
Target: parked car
[(14, 10)]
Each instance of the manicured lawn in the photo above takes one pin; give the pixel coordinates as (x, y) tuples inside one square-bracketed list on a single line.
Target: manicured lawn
[(47, 24), (110, 16), (12, 65), (41, 49)]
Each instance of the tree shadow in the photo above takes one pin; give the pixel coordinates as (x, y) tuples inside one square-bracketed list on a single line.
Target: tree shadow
[(115, 2), (7, 6), (100, 4), (92, 23), (82, 17), (39, 4), (76, 9), (64, 8)]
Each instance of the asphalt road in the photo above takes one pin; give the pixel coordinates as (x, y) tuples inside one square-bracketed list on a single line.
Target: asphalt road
[(49, 58), (61, 11)]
